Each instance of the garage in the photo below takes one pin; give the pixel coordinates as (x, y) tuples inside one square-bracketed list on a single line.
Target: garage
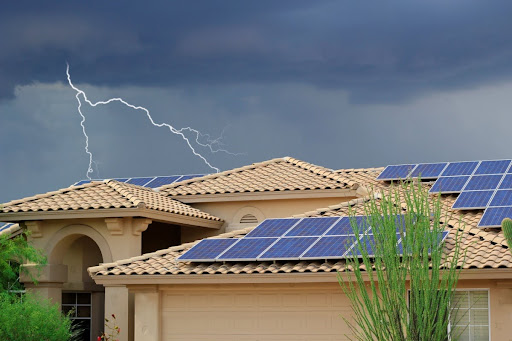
[(255, 312)]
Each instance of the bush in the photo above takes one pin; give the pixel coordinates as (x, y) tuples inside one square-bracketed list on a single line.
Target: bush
[(30, 318)]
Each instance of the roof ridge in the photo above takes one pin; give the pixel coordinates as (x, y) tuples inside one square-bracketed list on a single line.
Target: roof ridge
[(320, 170), (223, 173), (125, 191), (362, 169), (49, 194)]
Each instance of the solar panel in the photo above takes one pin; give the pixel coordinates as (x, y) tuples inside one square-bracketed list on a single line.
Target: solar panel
[(162, 181), (472, 200), (481, 182), (502, 198), (494, 215), (451, 184), (5, 226), (247, 249), (272, 228), (343, 227), (330, 247), (288, 248), (428, 170), (82, 182), (493, 167), (312, 226), (506, 183), (139, 181), (396, 172), (187, 177), (207, 249), (121, 179), (460, 168)]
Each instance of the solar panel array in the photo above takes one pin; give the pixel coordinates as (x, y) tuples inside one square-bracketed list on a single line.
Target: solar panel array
[(151, 182), (482, 185), (291, 239), (5, 226)]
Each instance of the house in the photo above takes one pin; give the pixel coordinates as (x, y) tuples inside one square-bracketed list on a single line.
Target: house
[(113, 247)]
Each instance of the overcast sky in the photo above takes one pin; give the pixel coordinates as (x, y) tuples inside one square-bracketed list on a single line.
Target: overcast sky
[(342, 84)]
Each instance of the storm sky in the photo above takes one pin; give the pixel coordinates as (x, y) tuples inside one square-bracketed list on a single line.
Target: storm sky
[(342, 84)]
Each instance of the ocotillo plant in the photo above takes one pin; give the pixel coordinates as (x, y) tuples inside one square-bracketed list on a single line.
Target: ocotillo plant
[(506, 226)]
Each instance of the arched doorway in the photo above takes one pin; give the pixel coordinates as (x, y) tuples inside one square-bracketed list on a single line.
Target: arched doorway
[(77, 248)]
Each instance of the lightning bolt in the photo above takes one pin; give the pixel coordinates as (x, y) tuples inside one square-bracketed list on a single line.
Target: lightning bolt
[(209, 144)]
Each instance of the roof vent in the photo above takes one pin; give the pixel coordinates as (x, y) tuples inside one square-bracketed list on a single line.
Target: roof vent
[(249, 219)]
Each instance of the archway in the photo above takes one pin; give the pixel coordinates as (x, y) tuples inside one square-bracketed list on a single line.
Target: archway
[(76, 248)]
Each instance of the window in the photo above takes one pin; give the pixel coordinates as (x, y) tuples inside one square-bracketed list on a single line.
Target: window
[(470, 318), (79, 303)]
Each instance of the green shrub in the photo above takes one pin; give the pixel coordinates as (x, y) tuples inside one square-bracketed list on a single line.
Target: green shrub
[(30, 318)]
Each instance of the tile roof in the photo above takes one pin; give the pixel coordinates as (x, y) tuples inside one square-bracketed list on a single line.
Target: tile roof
[(107, 194), (485, 249), (282, 174)]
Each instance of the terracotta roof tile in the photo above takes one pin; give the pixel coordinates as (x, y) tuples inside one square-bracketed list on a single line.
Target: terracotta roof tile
[(282, 174), (485, 249), (103, 195)]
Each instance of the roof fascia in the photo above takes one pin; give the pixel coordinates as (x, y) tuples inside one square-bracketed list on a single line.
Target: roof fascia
[(276, 195), (326, 277), (164, 217)]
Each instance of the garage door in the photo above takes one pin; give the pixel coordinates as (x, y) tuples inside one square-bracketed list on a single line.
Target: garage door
[(255, 314)]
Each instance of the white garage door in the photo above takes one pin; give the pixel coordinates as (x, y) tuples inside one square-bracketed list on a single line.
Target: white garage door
[(255, 314)]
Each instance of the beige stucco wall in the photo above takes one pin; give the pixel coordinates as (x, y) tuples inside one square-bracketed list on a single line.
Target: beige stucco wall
[(263, 312), (232, 211)]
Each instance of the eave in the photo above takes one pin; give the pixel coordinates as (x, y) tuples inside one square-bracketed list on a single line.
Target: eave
[(159, 216), (319, 277)]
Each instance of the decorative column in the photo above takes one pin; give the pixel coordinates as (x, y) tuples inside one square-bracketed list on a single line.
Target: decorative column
[(117, 302), (147, 314)]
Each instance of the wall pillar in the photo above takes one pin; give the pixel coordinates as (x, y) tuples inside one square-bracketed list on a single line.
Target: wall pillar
[(117, 302), (50, 279), (147, 315)]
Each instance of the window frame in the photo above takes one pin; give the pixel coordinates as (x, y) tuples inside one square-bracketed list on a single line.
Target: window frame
[(469, 289)]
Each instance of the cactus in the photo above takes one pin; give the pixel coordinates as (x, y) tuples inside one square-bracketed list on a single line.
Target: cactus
[(506, 226)]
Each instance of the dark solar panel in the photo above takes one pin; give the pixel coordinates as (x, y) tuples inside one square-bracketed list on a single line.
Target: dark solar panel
[(312, 226), (502, 198), (82, 182), (452, 184), (289, 248), (493, 167), (187, 177), (330, 247), (121, 179), (5, 226), (207, 249), (344, 226), (428, 170), (506, 183), (473, 200), (162, 181), (396, 172), (139, 181), (272, 228), (494, 215), (481, 182), (460, 168), (247, 249)]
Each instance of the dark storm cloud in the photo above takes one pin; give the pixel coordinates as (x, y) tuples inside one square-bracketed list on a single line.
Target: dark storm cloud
[(378, 51)]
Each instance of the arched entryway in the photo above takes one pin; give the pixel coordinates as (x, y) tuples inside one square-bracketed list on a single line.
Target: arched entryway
[(74, 249)]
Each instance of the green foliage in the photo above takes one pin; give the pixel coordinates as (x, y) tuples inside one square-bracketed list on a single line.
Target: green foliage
[(13, 252), (506, 226), (402, 297), (31, 318)]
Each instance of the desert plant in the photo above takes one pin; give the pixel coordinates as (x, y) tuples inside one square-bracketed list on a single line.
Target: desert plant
[(32, 318), (401, 286), (506, 226), (112, 330)]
